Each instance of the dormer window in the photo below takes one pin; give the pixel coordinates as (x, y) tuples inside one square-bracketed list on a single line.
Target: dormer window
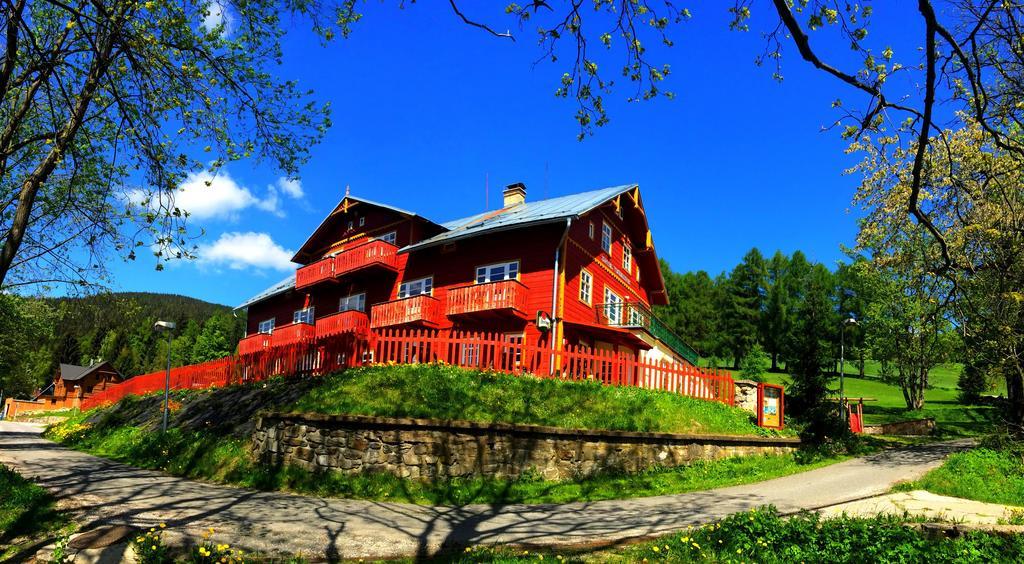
[(606, 237)]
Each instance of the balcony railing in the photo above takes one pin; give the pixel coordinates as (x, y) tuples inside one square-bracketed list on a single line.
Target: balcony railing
[(492, 296), (422, 309), (632, 315), (293, 333), (254, 343), (374, 253), (341, 322)]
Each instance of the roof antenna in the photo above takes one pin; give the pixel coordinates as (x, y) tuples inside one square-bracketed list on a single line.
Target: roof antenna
[(545, 180), (487, 189)]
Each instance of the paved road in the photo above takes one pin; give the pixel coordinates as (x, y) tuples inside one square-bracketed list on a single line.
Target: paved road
[(111, 493)]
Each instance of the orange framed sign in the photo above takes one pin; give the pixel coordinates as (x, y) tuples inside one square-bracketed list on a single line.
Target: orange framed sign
[(770, 406)]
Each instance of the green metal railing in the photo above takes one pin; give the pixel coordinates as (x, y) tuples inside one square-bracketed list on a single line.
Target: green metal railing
[(631, 315)]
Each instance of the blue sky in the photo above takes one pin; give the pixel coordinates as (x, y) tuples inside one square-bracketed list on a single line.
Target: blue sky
[(424, 108)]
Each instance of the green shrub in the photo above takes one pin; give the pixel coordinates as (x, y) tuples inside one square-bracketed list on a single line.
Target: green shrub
[(755, 364)]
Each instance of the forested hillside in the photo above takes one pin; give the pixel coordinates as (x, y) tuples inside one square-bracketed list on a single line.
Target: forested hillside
[(760, 310), (37, 334)]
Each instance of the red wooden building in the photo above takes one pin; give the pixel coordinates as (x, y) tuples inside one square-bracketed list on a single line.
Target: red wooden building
[(578, 269)]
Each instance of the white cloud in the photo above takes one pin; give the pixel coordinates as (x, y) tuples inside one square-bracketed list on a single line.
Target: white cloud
[(240, 251), (204, 195), (216, 14), (290, 187)]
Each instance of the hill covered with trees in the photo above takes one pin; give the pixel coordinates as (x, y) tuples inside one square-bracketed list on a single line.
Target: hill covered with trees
[(38, 334)]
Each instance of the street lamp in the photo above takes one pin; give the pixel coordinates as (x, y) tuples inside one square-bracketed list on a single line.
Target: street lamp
[(168, 327), (842, 364)]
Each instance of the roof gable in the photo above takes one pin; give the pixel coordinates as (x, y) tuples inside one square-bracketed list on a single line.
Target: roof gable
[(331, 222)]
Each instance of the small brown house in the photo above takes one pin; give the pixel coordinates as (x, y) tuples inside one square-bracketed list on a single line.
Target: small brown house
[(74, 383), (71, 385)]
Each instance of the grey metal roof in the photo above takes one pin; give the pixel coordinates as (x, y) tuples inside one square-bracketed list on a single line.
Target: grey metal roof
[(279, 288), (75, 372), (527, 213)]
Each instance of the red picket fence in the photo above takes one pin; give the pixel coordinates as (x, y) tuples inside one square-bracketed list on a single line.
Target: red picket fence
[(485, 351)]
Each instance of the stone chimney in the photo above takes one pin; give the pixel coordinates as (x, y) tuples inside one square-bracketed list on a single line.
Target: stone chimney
[(514, 194)]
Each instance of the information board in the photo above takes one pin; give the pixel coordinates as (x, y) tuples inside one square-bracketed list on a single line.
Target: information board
[(770, 405)]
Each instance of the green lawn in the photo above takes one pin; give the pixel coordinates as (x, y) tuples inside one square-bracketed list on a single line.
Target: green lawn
[(28, 515), (952, 417)]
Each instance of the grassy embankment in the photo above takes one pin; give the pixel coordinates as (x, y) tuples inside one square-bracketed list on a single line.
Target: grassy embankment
[(993, 473), (209, 436), (28, 514), (942, 400)]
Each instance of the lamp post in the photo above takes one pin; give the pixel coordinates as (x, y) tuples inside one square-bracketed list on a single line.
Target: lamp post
[(168, 327), (842, 364)]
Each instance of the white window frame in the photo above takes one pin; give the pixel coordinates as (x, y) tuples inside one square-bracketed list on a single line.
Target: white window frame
[(362, 220), (627, 258), (389, 237), (586, 287), (613, 314), (351, 225), (427, 283), (606, 237), (590, 230), (360, 299), (304, 315), (484, 274), (266, 326)]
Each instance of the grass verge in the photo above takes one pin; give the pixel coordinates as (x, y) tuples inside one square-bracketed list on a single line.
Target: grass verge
[(28, 513), (203, 455), (983, 474)]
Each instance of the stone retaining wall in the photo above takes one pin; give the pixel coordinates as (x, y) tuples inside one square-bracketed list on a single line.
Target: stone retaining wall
[(427, 449), (915, 427)]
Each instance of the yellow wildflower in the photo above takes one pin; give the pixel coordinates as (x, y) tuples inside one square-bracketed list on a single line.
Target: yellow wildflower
[(656, 549)]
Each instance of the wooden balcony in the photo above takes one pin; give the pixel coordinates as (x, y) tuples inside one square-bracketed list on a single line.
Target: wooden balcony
[(421, 310), (633, 315), (497, 298), (254, 343), (293, 333), (342, 322), (375, 254)]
